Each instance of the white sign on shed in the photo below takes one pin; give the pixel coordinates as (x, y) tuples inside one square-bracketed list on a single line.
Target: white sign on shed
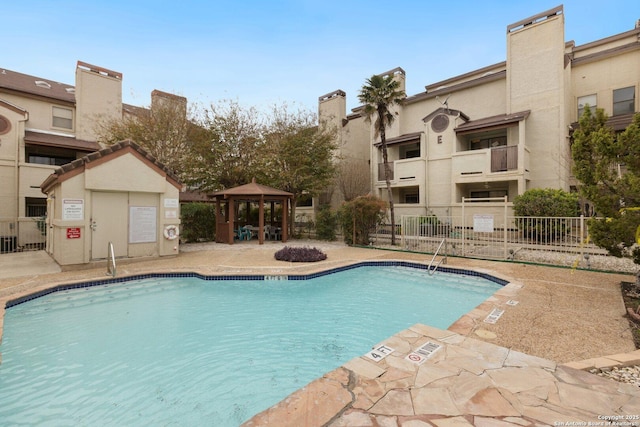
[(72, 209), (142, 224)]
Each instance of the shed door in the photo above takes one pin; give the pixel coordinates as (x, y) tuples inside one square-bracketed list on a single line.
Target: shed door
[(109, 223)]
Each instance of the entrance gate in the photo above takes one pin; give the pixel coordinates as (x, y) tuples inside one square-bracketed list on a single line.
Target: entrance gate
[(481, 230)]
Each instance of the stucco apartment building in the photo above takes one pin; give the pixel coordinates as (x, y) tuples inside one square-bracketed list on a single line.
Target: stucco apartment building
[(43, 125), (500, 130)]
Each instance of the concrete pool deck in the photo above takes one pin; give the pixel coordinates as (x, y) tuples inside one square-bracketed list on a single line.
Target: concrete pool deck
[(517, 371)]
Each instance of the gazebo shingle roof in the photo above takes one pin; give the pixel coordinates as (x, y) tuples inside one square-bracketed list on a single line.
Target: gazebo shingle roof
[(252, 189)]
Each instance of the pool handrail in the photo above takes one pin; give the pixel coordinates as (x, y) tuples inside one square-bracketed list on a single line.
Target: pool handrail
[(430, 270), (111, 261)]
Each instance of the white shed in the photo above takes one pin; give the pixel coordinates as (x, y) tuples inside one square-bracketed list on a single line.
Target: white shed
[(119, 194)]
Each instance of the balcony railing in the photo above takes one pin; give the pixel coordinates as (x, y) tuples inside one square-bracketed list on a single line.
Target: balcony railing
[(381, 171), (504, 158)]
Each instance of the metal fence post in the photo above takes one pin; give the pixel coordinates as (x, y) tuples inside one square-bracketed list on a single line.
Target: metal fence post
[(504, 227), (581, 236), (464, 235)]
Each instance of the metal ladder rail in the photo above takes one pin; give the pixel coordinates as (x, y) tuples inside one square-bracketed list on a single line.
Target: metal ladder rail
[(444, 259), (111, 261)]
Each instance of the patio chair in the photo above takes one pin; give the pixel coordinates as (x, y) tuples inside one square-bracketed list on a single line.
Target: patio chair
[(274, 232), (243, 234)]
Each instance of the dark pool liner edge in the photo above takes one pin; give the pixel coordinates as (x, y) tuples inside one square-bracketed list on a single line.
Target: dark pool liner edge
[(112, 280)]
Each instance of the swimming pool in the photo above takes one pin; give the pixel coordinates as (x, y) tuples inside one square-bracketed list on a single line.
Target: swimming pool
[(182, 351)]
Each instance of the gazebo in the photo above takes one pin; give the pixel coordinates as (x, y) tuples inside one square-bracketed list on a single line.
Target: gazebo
[(226, 222)]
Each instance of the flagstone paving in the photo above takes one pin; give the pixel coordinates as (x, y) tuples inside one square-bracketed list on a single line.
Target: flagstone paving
[(465, 382)]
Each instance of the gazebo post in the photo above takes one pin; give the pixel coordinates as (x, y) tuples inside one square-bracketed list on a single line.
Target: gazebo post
[(285, 215), (232, 217), (218, 222), (261, 220), (273, 207)]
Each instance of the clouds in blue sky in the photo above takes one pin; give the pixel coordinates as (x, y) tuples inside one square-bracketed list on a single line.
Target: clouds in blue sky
[(261, 53)]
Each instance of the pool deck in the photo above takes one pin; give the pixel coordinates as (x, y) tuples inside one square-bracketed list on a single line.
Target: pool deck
[(522, 370)]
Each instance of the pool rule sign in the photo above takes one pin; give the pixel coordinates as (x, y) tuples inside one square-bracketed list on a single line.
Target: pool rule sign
[(142, 224)]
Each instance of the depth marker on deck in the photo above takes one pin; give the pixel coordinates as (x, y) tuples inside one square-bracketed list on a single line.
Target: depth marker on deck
[(276, 277), (379, 353)]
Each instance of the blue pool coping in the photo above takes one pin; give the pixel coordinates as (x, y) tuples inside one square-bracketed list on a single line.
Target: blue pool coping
[(123, 279)]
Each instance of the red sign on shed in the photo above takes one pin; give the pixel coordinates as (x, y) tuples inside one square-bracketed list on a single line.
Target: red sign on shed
[(73, 233)]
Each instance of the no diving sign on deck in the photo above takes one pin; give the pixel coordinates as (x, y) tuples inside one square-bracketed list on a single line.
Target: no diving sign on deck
[(423, 353)]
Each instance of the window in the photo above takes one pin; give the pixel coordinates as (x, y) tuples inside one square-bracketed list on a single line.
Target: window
[(62, 118), (410, 195), (590, 100), (305, 201), (479, 143), (411, 198), (48, 155), (484, 194), (5, 125), (409, 151), (35, 206), (624, 100)]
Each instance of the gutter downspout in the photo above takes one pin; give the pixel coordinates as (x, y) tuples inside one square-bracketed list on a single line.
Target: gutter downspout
[(19, 144)]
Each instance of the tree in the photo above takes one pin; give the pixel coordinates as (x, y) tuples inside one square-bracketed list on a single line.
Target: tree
[(353, 178), (379, 95), (326, 223), (227, 155), (297, 154), (165, 131), (359, 216), (608, 167)]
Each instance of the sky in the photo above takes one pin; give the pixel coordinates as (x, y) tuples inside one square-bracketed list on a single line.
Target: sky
[(262, 53)]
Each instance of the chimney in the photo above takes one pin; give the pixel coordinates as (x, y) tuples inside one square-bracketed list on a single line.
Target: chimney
[(160, 99), (98, 97)]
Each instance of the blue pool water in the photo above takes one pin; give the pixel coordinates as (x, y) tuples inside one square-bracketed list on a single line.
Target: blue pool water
[(183, 351)]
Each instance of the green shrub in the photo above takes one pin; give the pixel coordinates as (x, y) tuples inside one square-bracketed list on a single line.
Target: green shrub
[(41, 223), (545, 203), (198, 222), (326, 223), (358, 217), (617, 234), (303, 224)]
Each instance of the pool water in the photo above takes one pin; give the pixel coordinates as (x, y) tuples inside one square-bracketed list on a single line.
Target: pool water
[(184, 351)]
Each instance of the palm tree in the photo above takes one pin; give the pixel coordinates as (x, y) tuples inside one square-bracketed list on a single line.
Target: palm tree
[(378, 95)]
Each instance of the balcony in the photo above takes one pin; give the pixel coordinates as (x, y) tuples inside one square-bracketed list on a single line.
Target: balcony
[(403, 170), (485, 161), (381, 176), (504, 158)]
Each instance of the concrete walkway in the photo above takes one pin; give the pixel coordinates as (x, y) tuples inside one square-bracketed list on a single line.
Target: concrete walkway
[(510, 373), (34, 263)]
